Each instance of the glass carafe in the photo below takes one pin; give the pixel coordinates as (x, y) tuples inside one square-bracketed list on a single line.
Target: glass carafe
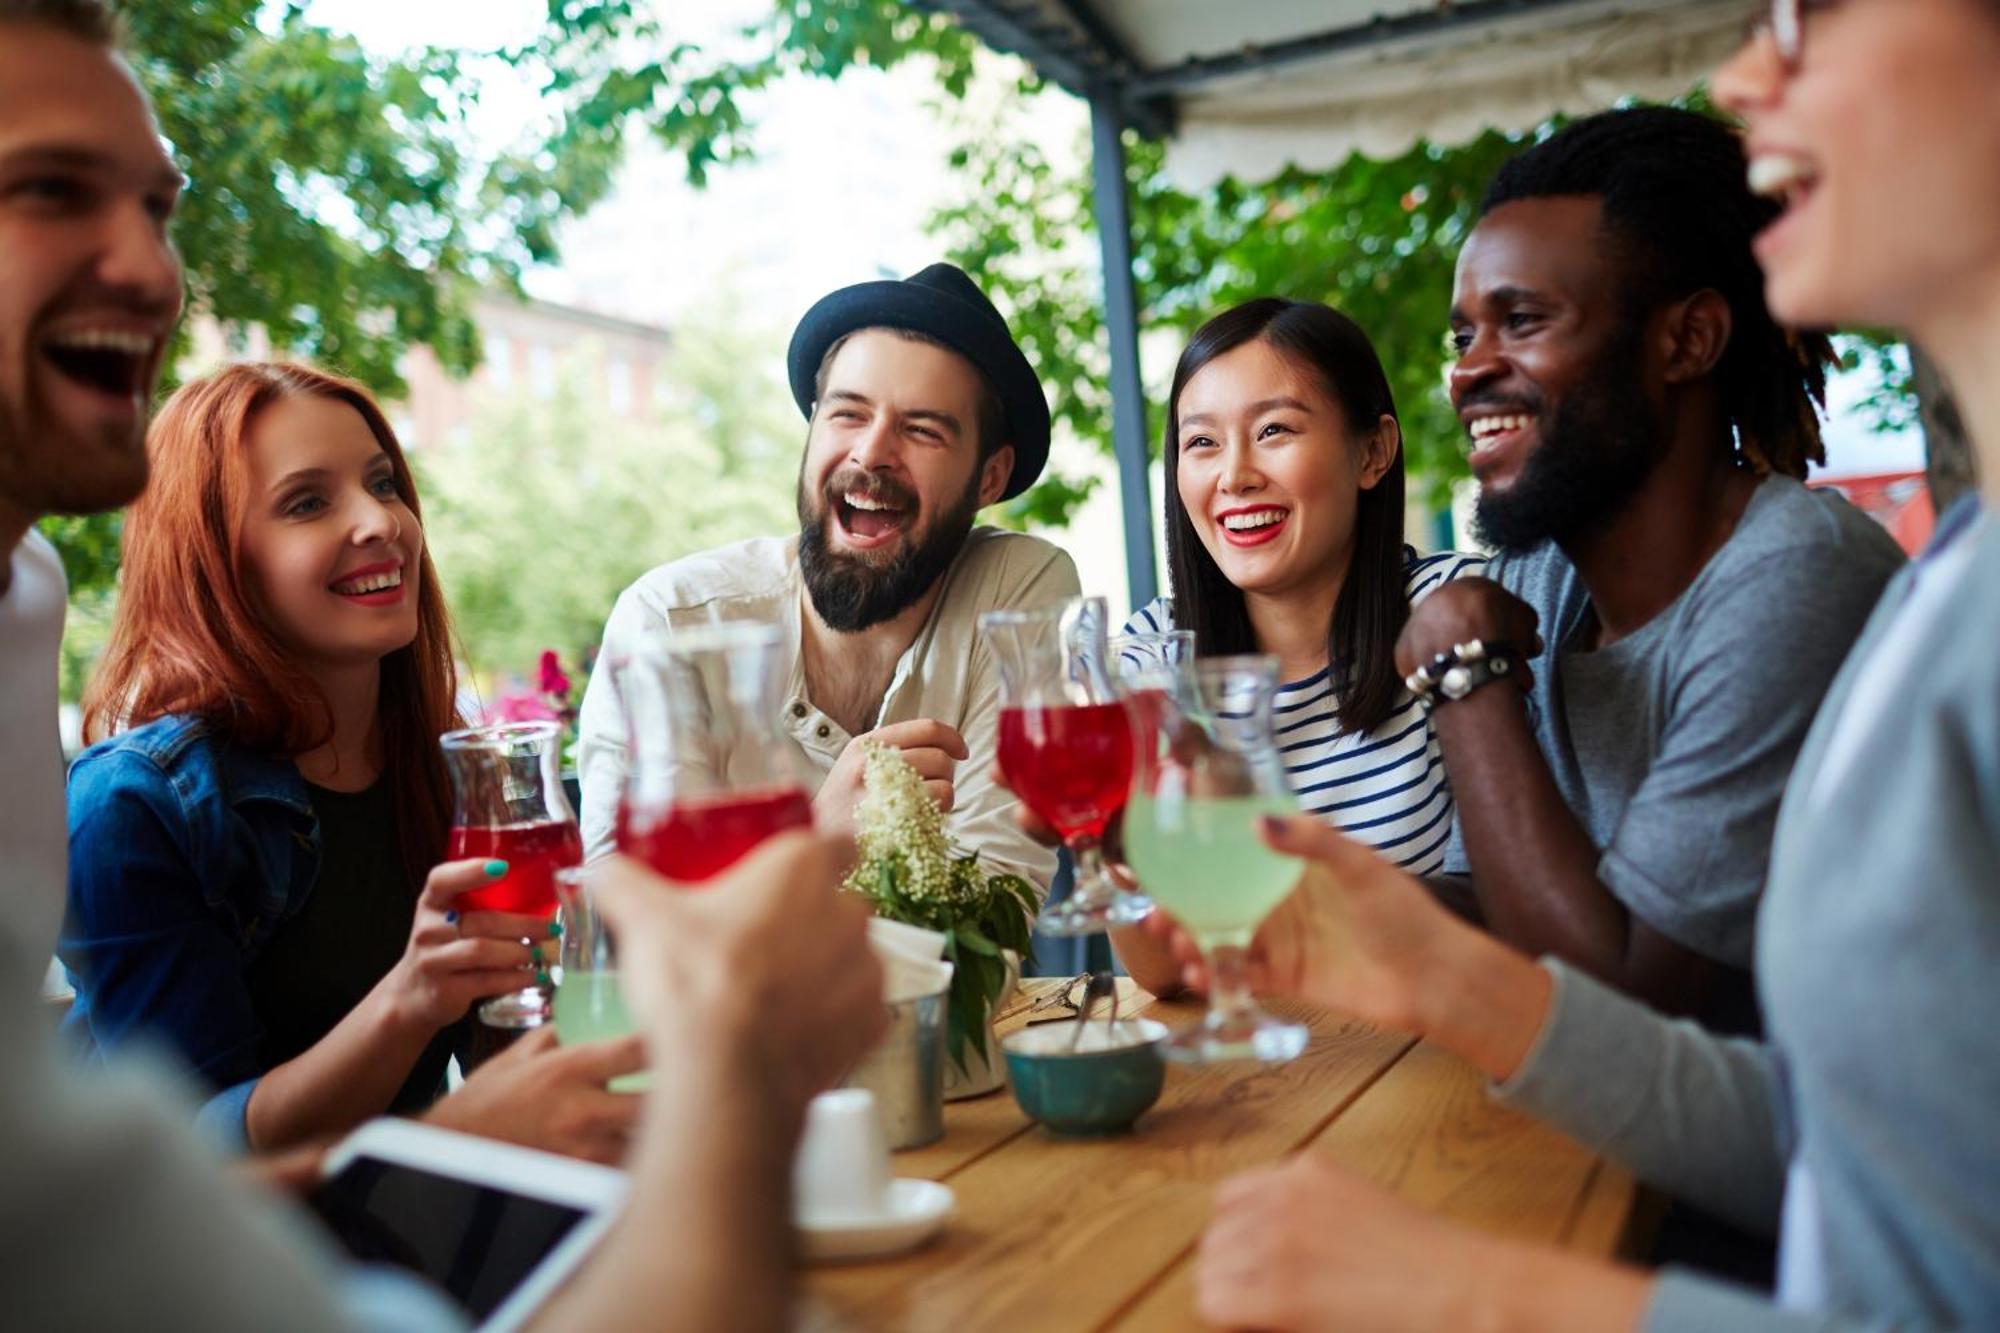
[(508, 805), (1066, 747), (707, 777)]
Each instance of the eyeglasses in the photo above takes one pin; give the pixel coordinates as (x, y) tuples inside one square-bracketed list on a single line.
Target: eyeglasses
[(1787, 26)]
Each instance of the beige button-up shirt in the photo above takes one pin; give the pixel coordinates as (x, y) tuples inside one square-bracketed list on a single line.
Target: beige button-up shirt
[(947, 673)]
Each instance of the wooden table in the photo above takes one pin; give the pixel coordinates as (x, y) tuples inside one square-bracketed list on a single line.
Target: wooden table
[(1055, 1234)]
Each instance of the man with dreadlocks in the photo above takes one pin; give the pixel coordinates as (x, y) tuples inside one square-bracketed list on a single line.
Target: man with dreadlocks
[(1671, 602)]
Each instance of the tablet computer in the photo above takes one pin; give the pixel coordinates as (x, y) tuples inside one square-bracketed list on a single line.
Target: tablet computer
[(495, 1227)]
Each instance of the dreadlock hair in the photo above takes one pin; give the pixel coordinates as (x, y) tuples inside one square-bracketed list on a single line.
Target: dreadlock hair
[(1677, 205), (90, 21)]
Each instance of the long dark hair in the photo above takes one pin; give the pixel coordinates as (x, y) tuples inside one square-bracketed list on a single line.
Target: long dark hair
[(1372, 606)]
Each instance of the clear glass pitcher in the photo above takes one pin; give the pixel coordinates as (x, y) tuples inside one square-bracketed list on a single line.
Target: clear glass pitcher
[(708, 775), (1066, 747), (508, 804), (1199, 789)]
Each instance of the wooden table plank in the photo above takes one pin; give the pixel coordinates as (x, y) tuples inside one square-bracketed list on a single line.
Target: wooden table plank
[(1428, 1130), (1099, 1234), (1063, 1234)]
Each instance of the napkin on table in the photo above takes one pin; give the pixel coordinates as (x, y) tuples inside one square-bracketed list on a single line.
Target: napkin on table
[(911, 965)]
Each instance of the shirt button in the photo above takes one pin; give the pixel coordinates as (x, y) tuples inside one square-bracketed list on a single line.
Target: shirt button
[(798, 708), (824, 731)]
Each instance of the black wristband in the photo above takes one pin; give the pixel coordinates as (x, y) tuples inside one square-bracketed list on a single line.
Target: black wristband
[(1453, 675)]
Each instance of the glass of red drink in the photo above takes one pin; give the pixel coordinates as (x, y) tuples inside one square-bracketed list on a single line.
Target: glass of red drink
[(1066, 748), (508, 805), (708, 774), (1155, 675)]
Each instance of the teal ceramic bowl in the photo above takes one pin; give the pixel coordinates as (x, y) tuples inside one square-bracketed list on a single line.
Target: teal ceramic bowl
[(1100, 1088)]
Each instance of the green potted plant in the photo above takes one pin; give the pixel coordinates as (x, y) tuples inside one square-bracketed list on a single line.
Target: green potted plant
[(910, 871)]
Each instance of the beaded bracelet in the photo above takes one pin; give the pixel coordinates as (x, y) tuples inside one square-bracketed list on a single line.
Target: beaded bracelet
[(1455, 674)]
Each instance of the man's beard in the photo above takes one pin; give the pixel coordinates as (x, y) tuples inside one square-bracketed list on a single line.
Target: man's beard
[(849, 592), (1596, 452), (44, 470)]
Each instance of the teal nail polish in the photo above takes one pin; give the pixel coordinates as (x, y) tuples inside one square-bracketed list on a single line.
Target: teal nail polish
[(495, 869), (542, 977), (555, 930), (535, 952)]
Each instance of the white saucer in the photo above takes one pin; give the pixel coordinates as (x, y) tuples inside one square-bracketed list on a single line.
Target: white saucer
[(912, 1213)]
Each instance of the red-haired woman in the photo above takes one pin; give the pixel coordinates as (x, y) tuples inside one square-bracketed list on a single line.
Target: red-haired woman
[(252, 839)]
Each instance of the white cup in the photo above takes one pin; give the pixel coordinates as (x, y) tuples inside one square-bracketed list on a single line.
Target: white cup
[(841, 1171)]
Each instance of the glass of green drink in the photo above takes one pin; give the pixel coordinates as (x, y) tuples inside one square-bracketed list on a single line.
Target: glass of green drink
[(1199, 787), (589, 1006)]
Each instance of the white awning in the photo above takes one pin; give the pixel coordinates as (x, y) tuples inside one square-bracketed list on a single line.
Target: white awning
[(1251, 86)]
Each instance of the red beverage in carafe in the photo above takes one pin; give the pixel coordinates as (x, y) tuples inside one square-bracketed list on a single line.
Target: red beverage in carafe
[(533, 853), (1071, 765), (698, 838)]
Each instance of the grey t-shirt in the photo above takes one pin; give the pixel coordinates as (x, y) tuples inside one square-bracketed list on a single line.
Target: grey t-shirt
[(1877, 959), (1672, 746)]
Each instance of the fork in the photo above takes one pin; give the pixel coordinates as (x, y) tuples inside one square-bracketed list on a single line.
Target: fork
[(1102, 986)]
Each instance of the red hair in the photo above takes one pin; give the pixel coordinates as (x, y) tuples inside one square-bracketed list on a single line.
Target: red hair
[(188, 636)]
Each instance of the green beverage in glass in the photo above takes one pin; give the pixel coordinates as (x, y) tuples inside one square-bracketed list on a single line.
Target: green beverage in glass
[(1202, 860), (589, 1006), (1201, 783)]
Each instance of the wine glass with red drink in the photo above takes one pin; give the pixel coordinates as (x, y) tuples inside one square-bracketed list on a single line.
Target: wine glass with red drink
[(509, 806), (1066, 748), (707, 778)]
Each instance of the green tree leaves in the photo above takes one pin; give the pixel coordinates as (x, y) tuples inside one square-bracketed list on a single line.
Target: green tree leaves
[(1378, 240)]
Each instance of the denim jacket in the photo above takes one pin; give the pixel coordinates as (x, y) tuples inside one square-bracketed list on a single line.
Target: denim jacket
[(185, 853)]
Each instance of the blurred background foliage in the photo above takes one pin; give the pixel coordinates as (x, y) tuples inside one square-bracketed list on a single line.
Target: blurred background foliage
[(550, 507)]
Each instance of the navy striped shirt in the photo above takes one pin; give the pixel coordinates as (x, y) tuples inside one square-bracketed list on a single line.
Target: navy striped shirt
[(1385, 787)]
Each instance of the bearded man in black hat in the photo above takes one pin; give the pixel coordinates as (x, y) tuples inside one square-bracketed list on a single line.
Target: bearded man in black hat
[(922, 411)]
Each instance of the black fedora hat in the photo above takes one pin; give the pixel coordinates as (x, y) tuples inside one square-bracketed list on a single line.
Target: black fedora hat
[(943, 303)]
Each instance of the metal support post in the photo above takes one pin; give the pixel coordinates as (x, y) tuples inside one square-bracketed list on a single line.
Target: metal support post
[(1121, 325)]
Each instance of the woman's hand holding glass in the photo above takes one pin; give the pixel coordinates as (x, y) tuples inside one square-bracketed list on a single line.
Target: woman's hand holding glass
[(453, 961), (1363, 937)]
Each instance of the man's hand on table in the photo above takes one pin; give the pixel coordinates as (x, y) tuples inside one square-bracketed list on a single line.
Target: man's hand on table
[(1308, 1245), (1363, 937), (927, 745), (542, 1095)]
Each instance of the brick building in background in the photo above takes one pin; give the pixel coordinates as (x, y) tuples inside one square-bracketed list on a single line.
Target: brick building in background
[(530, 347)]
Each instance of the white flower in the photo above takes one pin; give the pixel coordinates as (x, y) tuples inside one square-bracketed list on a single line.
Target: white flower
[(896, 821)]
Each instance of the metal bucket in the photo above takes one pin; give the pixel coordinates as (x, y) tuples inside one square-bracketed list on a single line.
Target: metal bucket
[(906, 1072)]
